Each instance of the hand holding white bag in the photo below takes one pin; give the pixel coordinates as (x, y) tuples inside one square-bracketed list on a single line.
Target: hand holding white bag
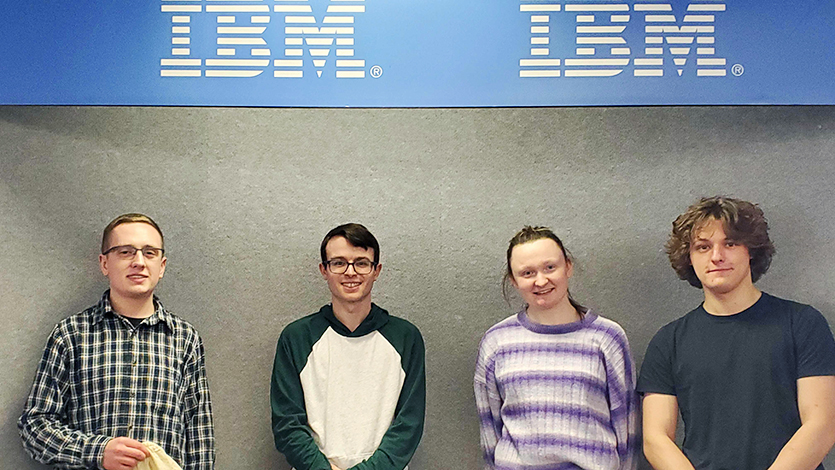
[(158, 460)]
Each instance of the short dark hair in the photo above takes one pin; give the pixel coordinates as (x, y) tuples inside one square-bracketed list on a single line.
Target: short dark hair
[(132, 217), (357, 235), (743, 222), (529, 234)]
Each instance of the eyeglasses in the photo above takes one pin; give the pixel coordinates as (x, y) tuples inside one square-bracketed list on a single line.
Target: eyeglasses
[(129, 251), (361, 266)]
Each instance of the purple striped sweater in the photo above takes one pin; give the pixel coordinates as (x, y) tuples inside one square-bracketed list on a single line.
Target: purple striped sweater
[(556, 396)]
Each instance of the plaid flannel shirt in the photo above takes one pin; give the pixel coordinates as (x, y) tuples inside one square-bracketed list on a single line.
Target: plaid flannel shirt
[(100, 378)]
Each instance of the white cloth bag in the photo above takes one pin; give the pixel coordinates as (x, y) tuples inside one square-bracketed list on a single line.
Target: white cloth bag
[(158, 460)]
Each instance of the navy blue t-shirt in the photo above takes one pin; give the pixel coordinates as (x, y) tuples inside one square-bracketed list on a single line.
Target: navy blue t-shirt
[(735, 378)]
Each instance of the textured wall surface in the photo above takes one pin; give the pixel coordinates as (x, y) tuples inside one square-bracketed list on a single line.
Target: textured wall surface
[(244, 197)]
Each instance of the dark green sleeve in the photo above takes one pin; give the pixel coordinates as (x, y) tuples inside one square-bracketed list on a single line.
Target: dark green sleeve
[(402, 438), (289, 418)]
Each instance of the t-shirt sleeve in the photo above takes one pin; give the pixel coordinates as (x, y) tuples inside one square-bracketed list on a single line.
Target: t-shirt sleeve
[(814, 344), (657, 369)]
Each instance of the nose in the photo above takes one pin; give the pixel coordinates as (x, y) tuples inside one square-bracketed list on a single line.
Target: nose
[(540, 279), (138, 258), (351, 267), (717, 253)]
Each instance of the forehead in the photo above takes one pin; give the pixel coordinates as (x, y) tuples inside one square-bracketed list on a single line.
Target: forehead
[(536, 251), (709, 229), (136, 233), (340, 247)]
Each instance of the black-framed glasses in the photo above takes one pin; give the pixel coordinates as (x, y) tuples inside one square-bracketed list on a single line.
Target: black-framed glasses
[(129, 251), (361, 266)]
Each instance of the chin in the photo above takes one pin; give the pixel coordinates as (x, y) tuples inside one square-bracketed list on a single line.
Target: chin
[(542, 305), (137, 292), (721, 288)]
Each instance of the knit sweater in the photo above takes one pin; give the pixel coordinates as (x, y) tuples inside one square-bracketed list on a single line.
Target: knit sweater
[(556, 396)]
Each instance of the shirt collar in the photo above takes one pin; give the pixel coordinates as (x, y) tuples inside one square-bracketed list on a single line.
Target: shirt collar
[(375, 320), (104, 308)]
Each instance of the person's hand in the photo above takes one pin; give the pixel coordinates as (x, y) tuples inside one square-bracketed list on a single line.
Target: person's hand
[(123, 453), (334, 467)]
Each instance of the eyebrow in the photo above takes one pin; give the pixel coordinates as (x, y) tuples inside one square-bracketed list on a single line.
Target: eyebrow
[(726, 239), (550, 261)]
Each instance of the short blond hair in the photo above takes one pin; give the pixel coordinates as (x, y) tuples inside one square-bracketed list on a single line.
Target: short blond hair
[(127, 219)]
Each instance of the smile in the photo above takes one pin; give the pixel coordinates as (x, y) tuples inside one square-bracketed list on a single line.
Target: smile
[(351, 284), (543, 292)]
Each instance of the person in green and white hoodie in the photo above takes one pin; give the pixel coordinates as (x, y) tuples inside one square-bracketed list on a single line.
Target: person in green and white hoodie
[(348, 389)]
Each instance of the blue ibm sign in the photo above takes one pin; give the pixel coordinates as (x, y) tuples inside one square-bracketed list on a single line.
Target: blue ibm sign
[(426, 53)]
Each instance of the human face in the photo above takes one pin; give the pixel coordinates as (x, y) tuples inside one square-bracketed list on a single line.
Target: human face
[(349, 287), (540, 273), (136, 277), (720, 263)]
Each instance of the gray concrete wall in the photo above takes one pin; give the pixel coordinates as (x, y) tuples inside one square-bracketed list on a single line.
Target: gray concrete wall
[(245, 196)]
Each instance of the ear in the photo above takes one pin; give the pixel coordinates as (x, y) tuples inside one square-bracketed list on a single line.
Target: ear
[(512, 280), (103, 264), (323, 270), (162, 266), (376, 272), (569, 268)]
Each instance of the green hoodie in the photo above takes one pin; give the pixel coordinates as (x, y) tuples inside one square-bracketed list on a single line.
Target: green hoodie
[(356, 399)]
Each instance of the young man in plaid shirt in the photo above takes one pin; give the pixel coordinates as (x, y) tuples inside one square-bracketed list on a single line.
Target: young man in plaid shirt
[(122, 372)]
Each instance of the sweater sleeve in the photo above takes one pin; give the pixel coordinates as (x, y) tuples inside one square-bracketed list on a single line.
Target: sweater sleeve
[(623, 400), (403, 436), (289, 418), (43, 429), (488, 402)]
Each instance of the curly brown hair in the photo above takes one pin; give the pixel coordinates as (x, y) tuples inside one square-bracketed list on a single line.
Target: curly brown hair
[(743, 222)]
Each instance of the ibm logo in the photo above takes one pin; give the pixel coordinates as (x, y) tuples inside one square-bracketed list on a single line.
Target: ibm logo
[(602, 49), (251, 37), (246, 33)]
